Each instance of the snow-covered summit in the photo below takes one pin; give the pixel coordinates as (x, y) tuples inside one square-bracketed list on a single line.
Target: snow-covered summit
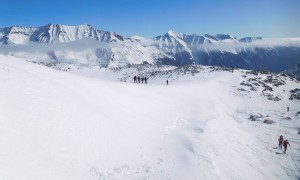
[(55, 33), (226, 38), (249, 39), (173, 33)]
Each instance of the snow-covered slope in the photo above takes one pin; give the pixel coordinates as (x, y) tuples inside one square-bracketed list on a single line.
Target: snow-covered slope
[(86, 124)]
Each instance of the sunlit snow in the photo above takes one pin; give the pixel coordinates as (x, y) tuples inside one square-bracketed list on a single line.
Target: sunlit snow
[(87, 124)]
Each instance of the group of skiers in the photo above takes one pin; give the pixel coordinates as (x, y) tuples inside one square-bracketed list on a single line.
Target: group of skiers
[(283, 142), (138, 79)]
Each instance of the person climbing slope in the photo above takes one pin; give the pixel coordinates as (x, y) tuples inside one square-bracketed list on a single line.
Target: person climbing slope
[(285, 143), (280, 140)]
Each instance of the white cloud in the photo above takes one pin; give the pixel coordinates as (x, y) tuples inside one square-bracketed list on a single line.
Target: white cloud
[(265, 43)]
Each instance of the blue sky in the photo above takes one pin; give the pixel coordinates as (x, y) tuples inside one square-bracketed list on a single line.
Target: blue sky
[(149, 18)]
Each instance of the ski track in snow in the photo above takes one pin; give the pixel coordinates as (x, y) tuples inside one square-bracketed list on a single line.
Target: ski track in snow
[(87, 125)]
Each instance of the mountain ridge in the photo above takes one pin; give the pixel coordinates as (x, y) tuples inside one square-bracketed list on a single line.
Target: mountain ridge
[(109, 49), (59, 28), (54, 33)]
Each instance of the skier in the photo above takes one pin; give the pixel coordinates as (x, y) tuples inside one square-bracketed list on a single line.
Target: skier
[(288, 108), (285, 143), (167, 82), (280, 140), (134, 79)]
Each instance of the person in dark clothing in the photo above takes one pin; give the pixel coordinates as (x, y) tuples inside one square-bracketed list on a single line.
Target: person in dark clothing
[(167, 82), (280, 140), (142, 80), (145, 80), (288, 108), (285, 143), (139, 79), (134, 79)]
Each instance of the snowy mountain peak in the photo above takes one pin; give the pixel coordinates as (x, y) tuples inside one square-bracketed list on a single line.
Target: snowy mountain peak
[(55, 33), (173, 33), (250, 39), (226, 38)]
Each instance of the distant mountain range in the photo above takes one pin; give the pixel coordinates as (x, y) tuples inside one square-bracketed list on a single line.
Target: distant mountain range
[(55, 43)]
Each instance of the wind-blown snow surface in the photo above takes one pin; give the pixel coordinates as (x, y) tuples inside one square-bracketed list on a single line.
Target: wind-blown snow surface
[(59, 125)]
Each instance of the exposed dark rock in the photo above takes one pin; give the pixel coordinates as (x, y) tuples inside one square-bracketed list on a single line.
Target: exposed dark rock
[(269, 121), (241, 89), (246, 84), (256, 84), (275, 81), (253, 89), (276, 98), (267, 88), (295, 94), (255, 117)]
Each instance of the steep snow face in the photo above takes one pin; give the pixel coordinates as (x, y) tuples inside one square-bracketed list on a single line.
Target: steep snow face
[(194, 40), (56, 33), (134, 53), (172, 43), (16, 35), (86, 124)]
